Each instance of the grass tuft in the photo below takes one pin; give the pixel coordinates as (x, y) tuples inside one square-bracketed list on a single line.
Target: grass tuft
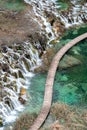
[(25, 121)]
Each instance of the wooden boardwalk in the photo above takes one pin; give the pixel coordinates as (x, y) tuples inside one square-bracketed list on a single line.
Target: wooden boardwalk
[(50, 80)]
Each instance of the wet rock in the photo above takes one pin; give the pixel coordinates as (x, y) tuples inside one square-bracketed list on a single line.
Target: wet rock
[(54, 42), (8, 101), (4, 49), (5, 67), (28, 56), (23, 101), (5, 78), (50, 17), (20, 74), (67, 61), (12, 86), (26, 63), (1, 122), (1, 56), (57, 25), (47, 58), (1, 93), (22, 95), (15, 74), (15, 56), (58, 28), (0, 66), (39, 41), (40, 69), (22, 91)]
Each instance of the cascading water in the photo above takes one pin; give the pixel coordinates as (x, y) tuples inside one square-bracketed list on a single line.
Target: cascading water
[(16, 64), (45, 10), (76, 15), (40, 7)]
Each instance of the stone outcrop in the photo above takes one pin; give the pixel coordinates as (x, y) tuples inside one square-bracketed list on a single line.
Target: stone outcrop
[(17, 26)]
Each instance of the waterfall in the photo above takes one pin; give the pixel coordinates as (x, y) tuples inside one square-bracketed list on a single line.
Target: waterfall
[(16, 64), (39, 9), (76, 15)]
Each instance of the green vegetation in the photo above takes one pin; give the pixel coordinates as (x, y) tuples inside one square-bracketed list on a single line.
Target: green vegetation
[(71, 118), (64, 4), (67, 118), (15, 5), (74, 32), (25, 121)]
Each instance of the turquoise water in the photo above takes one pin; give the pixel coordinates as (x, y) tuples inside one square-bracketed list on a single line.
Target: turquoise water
[(36, 91), (70, 85)]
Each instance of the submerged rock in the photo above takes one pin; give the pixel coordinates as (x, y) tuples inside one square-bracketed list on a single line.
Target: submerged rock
[(23, 101), (68, 61), (23, 95)]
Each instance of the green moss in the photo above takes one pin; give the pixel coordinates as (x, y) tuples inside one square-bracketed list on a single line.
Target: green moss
[(15, 5), (64, 4)]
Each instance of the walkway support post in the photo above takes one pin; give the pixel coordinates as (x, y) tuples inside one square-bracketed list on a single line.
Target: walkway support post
[(50, 80)]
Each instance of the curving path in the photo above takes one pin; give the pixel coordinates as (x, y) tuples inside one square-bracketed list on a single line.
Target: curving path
[(50, 80)]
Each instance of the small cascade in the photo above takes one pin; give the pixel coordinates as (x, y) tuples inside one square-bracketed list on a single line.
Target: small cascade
[(76, 15), (40, 8), (16, 64)]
